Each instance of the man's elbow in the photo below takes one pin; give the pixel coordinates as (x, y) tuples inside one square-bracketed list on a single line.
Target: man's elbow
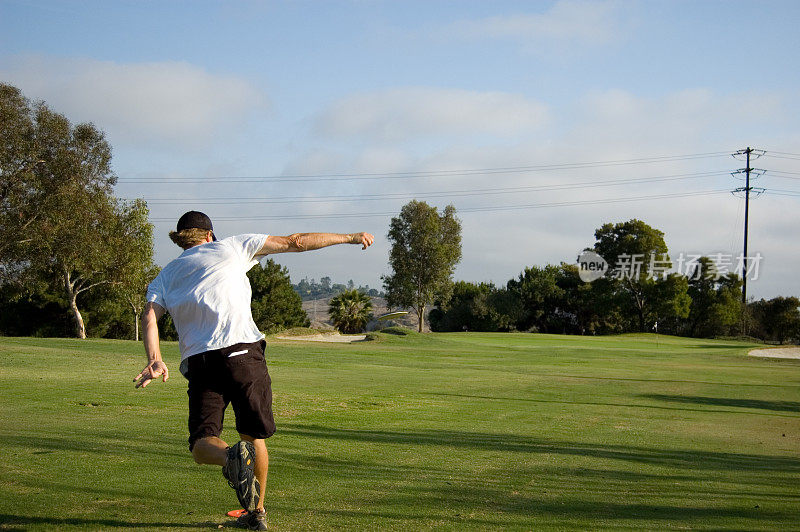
[(148, 316), (294, 243), (145, 317)]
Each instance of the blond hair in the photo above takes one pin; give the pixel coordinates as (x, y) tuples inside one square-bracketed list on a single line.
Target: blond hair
[(188, 238)]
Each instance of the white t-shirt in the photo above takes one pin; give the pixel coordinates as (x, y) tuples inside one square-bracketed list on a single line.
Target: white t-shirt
[(207, 293)]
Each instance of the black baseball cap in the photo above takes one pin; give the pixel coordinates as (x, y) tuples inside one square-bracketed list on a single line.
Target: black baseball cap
[(196, 220)]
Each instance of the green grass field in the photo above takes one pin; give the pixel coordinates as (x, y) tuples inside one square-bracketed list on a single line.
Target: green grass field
[(442, 431)]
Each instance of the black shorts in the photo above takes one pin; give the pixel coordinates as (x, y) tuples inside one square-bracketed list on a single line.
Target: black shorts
[(237, 375)]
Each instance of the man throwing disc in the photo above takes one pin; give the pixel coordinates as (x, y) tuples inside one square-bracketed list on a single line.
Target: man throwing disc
[(207, 293)]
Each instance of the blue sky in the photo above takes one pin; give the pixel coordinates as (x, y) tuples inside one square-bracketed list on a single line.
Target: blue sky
[(204, 91)]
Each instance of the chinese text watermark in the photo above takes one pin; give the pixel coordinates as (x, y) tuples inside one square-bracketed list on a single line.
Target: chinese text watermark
[(592, 266)]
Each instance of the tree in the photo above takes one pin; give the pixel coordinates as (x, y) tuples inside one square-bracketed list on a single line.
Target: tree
[(39, 309), (539, 294), (778, 319), (58, 217), (110, 242), (32, 310), (668, 302), (426, 246), (350, 311), (637, 254), (43, 158), (127, 262), (476, 307), (22, 185), (507, 310), (716, 300), (133, 289), (275, 304), (579, 307), (466, 309)]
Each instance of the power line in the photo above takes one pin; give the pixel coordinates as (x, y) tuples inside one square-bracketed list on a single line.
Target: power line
[(468, 209), (771, 152), (789, 176), (437, 194), (595, 202), (790, 156), (778, 192), (421, 174)]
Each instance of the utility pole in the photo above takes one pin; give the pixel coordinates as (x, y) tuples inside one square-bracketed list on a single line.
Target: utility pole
[(747, 171)]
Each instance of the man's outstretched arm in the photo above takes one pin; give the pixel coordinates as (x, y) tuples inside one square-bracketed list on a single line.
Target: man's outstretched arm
[(155, 366), (309, 241)]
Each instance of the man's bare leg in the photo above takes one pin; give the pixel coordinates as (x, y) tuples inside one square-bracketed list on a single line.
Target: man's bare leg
[(210, 450), (261, 465)]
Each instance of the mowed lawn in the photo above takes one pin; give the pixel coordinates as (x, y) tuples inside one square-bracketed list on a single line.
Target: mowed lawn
[(462, 431)]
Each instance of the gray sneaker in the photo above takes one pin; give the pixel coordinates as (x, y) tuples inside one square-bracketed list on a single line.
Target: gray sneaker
[(253, 520), (239, 472)]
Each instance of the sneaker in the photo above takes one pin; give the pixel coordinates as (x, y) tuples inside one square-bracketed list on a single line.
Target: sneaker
[(253, 520), (238, 471)]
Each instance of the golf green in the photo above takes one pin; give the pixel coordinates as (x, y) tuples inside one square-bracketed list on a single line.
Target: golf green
[(461, 431)]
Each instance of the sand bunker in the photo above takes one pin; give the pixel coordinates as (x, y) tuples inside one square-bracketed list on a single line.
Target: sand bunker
[(341, 338), (776, 352)]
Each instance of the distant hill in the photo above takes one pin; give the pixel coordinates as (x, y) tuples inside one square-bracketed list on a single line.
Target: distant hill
[(310, 289)]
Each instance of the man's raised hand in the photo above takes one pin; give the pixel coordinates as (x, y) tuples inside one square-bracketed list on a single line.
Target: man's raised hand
[(152, 371)]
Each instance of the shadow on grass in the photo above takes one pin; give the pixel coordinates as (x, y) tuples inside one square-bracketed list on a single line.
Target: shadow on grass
[(567, 481), (595, 403), (538, 510), (668, 381), (717, 346), (94, 524), (778, 406), (692, 459), (474, 504), (86, 443), (746, 490)]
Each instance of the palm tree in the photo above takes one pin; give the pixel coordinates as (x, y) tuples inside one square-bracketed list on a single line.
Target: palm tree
[(350, 311)]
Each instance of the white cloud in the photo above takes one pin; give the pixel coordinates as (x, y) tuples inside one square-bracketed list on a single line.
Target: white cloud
[(406, 113), (618, 120), (567, 22), (146, 104), (323, 160), (602, 126)]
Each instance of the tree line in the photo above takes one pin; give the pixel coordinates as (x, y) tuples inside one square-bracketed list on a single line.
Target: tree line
[(705, 302), (76, 260), (637, 291)]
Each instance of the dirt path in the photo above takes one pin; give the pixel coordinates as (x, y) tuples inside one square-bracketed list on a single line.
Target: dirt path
[(776, 352)]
